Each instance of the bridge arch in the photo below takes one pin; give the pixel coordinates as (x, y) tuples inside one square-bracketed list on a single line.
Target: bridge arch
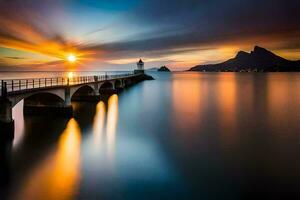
[(118, 84), (15, 99), (43, 99), (108, 85), (128, 82), (85, 90)]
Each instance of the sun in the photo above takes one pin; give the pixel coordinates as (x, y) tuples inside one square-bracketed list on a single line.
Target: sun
[(71, 58)]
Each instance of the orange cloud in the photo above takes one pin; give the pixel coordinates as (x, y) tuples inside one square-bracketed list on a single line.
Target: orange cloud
[(20, 33)]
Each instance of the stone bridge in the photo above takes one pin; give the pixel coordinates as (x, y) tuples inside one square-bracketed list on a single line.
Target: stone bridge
[(54, 95)]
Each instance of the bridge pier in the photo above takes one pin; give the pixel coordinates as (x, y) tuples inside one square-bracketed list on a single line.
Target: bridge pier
[(67, 109), (5, 166), (119, 86), (97, 88), (6, 121), (67, 97), (97, 93)]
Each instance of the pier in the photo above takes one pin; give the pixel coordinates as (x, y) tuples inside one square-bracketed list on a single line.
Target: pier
[(44, 96)]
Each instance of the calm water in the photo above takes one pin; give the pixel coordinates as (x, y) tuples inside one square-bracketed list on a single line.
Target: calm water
[(181, 136)]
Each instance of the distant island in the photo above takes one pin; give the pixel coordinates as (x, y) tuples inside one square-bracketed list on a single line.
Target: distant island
[(258, 60), (164, 69)]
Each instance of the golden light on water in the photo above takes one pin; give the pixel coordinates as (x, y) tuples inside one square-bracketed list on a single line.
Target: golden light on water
[(186, 100), (112, 121), (103, 139), (227, 99), (99, 123), (57, 177)]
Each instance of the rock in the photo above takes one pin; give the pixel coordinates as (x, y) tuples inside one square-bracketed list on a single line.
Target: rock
[(163, 69)]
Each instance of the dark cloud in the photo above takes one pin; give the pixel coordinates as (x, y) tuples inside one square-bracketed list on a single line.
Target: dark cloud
[(208, 16), (191, 24), (14, 57)]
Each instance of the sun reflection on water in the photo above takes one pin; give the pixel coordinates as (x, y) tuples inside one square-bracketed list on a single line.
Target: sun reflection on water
[(227, 92), (280, 98), (112, 120), (99, 122), (57, 177), (227, 101), (102, 141), (187, 100)]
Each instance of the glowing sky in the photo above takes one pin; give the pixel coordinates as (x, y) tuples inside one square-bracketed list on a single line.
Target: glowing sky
[(114, 34)]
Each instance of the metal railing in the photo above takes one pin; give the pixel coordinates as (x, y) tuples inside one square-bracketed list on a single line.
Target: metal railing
[(14, 85)]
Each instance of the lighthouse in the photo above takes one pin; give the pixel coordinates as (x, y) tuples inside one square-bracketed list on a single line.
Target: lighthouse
[(140, 67)]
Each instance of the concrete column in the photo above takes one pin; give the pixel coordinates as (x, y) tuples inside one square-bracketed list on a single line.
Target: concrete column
[(68, 109), (5, 111), (67, 96), (7, 127), (5, 166), (6, 120), (3, 90), (97, 89), (96, 86), (113, 85)]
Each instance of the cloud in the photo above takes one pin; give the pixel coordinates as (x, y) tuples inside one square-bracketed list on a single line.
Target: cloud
[(26, 31), (14, 57), (192, 25), (163, 29)]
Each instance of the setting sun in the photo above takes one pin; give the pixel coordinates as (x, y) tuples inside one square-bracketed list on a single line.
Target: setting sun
[(71, 58)]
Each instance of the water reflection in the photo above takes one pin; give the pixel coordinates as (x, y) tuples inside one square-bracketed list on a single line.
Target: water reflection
[(112, 120), (281, 98), (98, 124), (227, 103), (100, 145), (57, 177), (187, 100)]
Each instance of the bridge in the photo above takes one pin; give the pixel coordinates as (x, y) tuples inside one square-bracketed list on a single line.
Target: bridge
[(54, 95)]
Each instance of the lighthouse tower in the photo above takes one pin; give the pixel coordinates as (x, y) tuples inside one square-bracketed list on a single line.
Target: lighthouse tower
[(140, 67)]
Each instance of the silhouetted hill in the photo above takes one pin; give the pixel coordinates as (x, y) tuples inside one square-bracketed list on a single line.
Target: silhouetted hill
[(163, 69), (259, 59)]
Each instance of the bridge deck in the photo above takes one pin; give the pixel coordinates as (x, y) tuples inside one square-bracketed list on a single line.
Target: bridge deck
[(16, 86)]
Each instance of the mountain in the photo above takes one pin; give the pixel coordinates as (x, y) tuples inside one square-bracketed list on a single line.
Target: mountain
[(163, 69), (259, 59)]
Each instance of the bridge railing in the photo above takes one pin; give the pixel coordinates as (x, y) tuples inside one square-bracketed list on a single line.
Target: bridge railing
[(13, 85)]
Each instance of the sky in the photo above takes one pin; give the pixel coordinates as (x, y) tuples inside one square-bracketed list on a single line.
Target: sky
[(115, 34)]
